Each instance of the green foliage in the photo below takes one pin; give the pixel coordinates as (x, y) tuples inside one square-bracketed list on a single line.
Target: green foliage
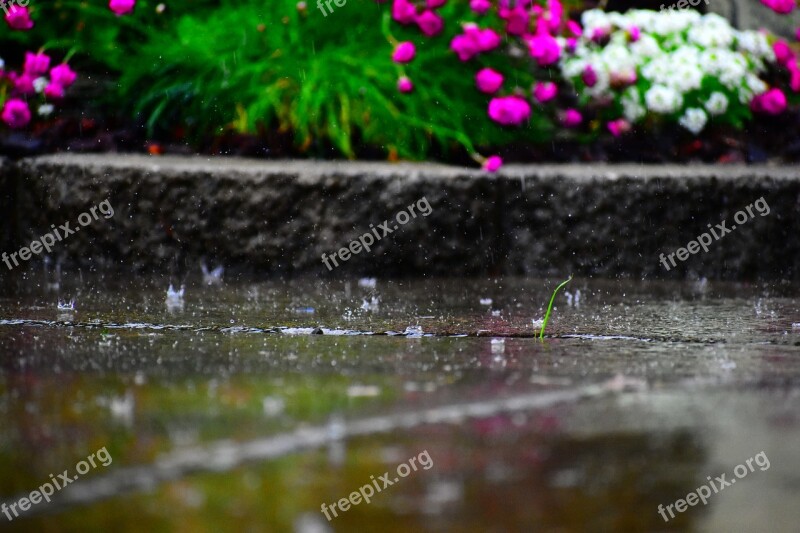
[(550, 307), (328, 80)]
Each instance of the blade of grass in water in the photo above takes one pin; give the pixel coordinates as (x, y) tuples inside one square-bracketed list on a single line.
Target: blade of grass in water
[(550, 307)]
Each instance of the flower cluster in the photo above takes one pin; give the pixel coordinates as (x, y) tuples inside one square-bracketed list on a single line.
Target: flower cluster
[(525, 29), (37, 80), (612, 70), (677, 65)]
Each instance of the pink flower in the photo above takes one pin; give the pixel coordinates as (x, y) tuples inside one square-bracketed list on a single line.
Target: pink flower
[(36, 64), (404, 52), (54, 91), (23, 84), (63, 75), (779, 6), (794, 70), (589, 76), (433, 4), (571, 118), (464, 47), (18, 18), (544, 48), (121, 7), (618, 127), (405, 85), (485, 39), (488, 80), (509, 110), (480, 6), (544, 91), (634, 33), (404, 11), (772, 102), (574, 28), (783, 54), (430, 23), (517, 19), (555, 12), (16, 113), (493, 163), (473, 41)]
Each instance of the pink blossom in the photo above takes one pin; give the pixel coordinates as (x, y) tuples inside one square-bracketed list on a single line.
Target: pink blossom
[(634, 33), (36, 64), (63, 75), (555, 12), (618, 127), (485, 39), (54, 91), (405, 85), (544, 48), (517, 19), (23, 84), (488, 80), (589, 76), (18, 18), (794, 70), (574, 28), (473, 41), (544, 91), (464, 47), (480, 6), (16, 113), (433, 4), (430, 23), (772, 102), (571, 118), (404, 11), (783, 54), (404, 52), (509, 110), (493, 163), (780, 6), (121, 7)]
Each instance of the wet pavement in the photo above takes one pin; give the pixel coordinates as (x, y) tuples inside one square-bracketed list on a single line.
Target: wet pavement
[(251, 404)]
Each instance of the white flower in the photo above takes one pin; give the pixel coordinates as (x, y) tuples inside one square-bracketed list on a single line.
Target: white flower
[(632, 107), (717, 103), (663, 99), (694, 120), (39, 84), (712, 30), (645, 47), (45, 109), (2, 64), (755, 43)]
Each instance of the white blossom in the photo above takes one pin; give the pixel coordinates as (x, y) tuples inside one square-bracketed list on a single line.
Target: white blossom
[(663, 99), (694, 120), (717, 103)]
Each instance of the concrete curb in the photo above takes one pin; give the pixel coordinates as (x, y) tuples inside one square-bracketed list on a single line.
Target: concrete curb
[(278, 217)]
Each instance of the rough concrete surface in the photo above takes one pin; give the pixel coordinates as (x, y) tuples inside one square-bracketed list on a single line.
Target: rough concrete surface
[(271, 217)]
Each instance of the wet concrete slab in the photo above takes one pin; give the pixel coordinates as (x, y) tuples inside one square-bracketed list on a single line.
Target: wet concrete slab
[(232, 407)]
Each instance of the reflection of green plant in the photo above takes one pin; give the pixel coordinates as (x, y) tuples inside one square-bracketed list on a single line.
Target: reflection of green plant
[(550, 306)]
